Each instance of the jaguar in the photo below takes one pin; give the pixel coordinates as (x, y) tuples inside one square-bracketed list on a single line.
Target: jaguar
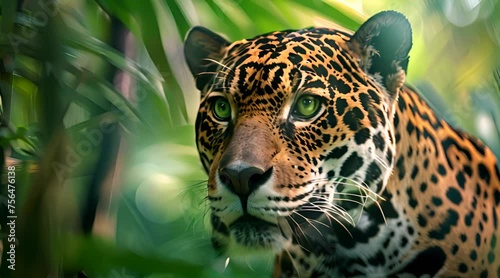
[(316, 150)]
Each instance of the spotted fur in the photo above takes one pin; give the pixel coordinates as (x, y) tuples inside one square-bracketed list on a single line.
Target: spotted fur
[(374, 184)]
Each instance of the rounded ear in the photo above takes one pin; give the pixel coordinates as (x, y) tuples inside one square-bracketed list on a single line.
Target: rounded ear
[(202, 50), (382, 43)]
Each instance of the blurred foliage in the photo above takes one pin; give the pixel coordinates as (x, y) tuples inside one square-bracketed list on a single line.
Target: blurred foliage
[(98, 106)]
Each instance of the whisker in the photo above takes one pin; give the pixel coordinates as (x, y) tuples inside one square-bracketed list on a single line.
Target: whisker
[(309, 221), (329, 214), (346, 200), (227, 73), (370, 193), (298, 238), (350, 182), (212, 73), (381, 212), (293, 262), (299, 230), (339, 222), (321, 201), (220, 64), (312, 220), (381, 161), (298, 226)]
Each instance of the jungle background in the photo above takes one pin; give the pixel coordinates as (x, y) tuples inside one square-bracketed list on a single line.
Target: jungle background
[(97, 113)]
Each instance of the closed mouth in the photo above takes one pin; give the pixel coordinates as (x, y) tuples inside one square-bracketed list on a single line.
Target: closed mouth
[(250, 231), (251, 220)]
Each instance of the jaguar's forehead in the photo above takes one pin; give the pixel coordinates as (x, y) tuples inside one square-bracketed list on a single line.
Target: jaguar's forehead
[(278, 63), (298, 42)]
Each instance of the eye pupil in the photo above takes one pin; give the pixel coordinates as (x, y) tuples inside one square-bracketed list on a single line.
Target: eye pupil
[(307, 107), (222, 106), (221, 109), (307, 102)]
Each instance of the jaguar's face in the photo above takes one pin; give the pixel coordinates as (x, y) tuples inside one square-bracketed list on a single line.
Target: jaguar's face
[(290, 124)]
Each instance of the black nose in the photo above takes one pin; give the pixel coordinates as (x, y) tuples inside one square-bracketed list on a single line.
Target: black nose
[(243, 179)]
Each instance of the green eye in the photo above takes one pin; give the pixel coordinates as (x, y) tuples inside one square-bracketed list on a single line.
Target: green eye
[(307, 106), (221, 109)]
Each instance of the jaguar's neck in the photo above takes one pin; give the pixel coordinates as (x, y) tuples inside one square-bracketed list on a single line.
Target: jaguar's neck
[(417, 137), (429, 151)]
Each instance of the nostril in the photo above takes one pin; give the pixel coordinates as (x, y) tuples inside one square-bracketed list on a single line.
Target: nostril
[(243, 179), (258, 179), (224, 178)]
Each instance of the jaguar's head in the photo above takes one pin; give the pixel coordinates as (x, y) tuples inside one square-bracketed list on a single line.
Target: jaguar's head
[(290, 122)]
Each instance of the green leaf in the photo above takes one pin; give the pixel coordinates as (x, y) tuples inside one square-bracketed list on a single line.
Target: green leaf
[(109, 92), (95, 46), (142, 18), (228, 26), (329, 10), (264, 19), (100, 257), (180, 19), (8, 16), (21, 132)]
